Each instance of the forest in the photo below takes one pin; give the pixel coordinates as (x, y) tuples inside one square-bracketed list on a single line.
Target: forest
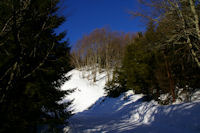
[(163, 59), (34, 60)]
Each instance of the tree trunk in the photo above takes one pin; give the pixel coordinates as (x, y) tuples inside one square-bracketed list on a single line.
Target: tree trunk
[(171, 80)]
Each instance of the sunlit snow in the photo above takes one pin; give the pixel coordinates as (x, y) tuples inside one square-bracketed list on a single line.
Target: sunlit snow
[(127, 113)]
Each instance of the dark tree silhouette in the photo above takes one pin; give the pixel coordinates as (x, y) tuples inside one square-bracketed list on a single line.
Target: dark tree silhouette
[(33, 61)]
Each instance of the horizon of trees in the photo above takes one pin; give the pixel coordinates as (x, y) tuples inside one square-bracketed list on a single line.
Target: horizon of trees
[(163, 59), (100, 50)]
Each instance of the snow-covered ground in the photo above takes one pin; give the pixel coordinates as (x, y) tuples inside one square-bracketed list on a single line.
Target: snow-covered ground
[(127, 113), (86, 92)]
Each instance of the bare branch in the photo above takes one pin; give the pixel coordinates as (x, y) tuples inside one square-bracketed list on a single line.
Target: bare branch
[(6, 25), (13, 73), (41, 63), (138, 14)]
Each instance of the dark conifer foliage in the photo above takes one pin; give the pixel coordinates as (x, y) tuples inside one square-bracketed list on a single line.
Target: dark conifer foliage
[(33, 61), (137, 65), (153, 66)]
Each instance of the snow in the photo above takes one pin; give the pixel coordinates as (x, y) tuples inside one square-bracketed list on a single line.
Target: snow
[(128, 113), (86, 92)]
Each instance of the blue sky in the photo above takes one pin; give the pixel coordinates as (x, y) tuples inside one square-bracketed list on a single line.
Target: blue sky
[(83, 16)]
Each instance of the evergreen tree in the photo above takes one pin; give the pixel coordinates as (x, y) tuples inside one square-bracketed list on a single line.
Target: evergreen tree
[(136, 71), (33, 61), (165, 59)]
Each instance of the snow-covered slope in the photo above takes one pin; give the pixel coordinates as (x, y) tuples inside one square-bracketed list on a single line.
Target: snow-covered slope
[(129, 113), (86, 92)]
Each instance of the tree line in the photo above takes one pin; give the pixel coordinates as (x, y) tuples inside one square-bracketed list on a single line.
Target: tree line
[(165, 58), (101, 50)]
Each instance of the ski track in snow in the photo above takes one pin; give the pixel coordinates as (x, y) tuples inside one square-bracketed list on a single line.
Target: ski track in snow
[(127, 113)]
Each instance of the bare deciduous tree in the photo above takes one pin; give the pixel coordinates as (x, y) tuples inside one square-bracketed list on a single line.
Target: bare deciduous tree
[(101, 50)]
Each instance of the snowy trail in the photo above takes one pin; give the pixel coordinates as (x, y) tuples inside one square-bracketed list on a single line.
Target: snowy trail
[(116, 116), (125, 114)]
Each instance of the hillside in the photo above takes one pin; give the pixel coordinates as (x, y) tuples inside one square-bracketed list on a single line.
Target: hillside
[(127, 113), (86, 92)]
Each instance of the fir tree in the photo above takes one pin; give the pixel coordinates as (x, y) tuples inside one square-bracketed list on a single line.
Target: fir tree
[(33, 61)]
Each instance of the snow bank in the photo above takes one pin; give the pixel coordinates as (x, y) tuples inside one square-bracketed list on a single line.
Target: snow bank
[(86, 92)]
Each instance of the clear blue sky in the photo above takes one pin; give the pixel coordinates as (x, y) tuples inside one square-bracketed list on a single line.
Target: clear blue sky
[(86, 15)]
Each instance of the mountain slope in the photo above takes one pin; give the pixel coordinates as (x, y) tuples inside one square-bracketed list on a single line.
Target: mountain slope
[(130, 114)]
